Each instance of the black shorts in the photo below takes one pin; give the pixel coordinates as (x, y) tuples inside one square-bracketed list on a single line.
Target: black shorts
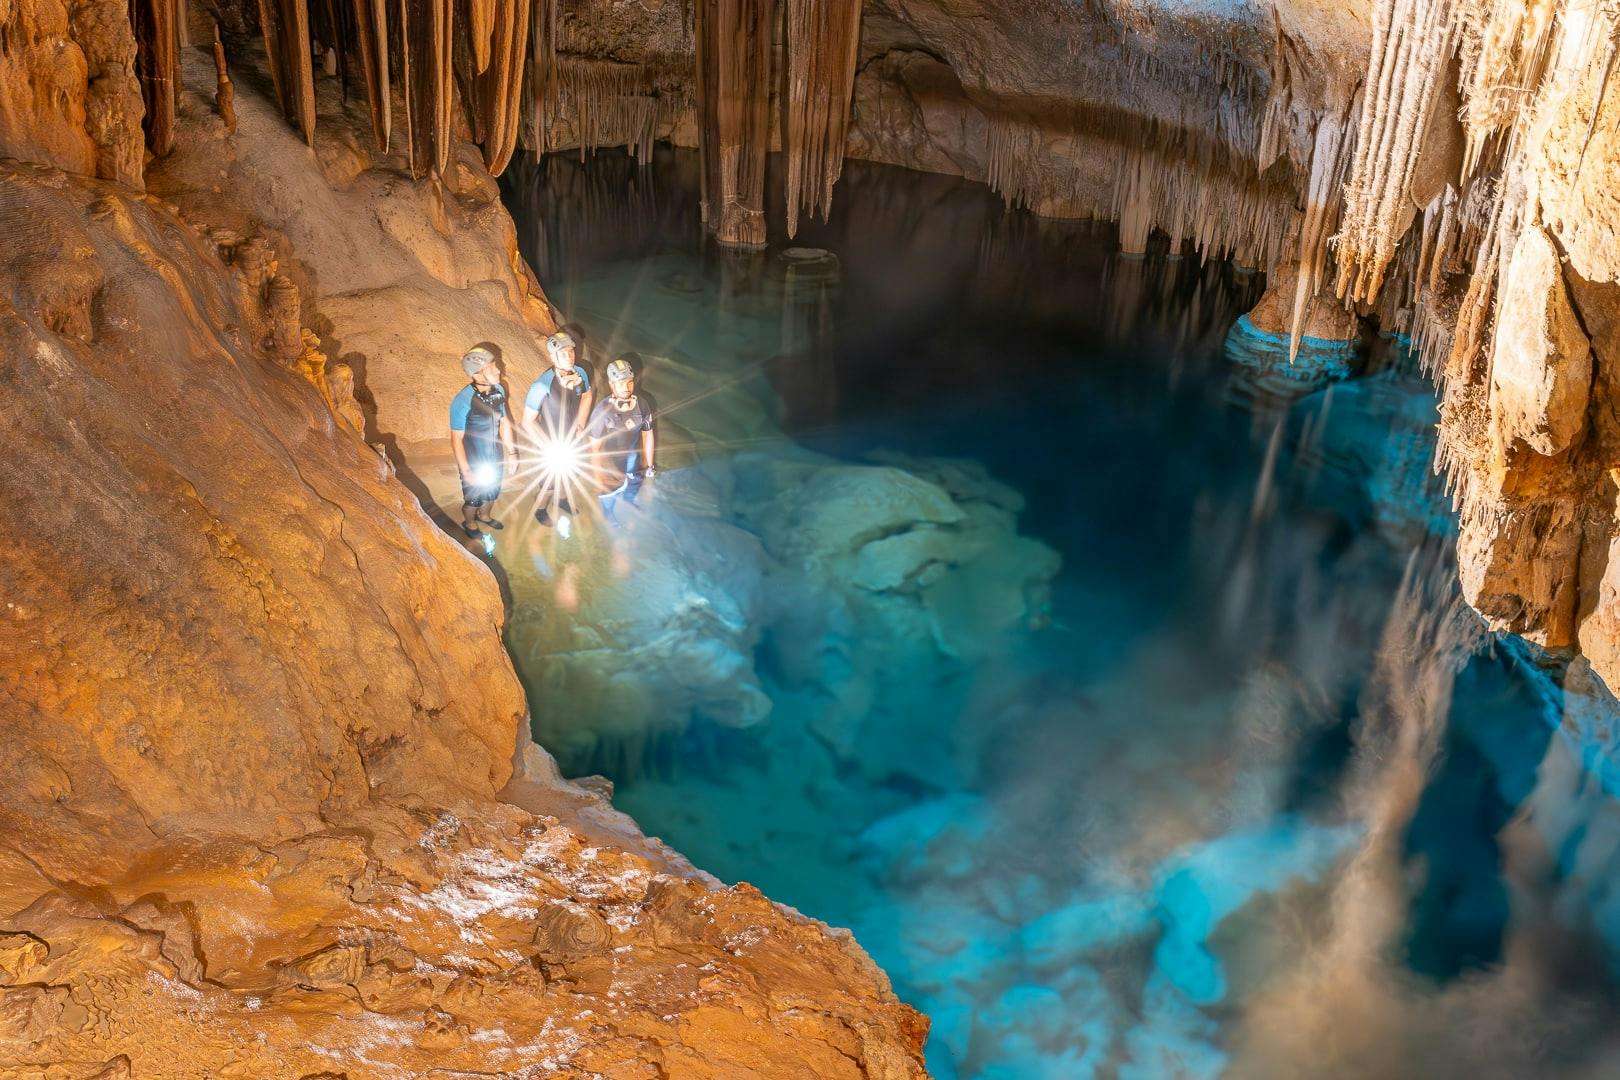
[(488, 473)]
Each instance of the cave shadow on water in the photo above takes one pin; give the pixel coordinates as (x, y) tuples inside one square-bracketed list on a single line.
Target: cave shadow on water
[(1104, 772)]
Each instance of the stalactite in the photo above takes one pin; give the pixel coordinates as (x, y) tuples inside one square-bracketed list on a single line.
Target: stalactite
[(371, 28), (285, 24), (609, 104), (426, 32), (1330, 159), (1503, 46), (157, 63), (823, 37), (1411, 48), (500, 86), (406, 77), (734, 62), (542, 61), (1010, 151), (482, 19), (1191, 187), (329, 26)]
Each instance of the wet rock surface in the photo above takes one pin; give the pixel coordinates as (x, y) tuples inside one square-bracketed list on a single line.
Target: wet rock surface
[(270, 809)]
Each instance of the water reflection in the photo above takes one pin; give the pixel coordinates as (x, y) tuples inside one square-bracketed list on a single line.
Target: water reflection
[(1135, 734)]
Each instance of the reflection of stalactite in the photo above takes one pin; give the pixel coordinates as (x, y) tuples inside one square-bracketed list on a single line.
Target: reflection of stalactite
[(734, 63), (607, 209), (822, 38)]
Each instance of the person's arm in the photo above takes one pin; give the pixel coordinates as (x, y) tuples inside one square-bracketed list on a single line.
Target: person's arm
[(586, 398), (458, 434), (647, 450), (458, 444), (508, 443), (595, 436), (532, 401)]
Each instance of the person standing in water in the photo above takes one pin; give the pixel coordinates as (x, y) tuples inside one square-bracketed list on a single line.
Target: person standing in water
[(554, 413), (621, 434), (481, 437)]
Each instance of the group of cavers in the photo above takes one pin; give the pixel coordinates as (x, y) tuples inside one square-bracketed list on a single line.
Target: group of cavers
[(576, 441)]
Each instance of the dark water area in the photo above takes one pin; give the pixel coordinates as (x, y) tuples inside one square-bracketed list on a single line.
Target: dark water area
[(1245, 789)]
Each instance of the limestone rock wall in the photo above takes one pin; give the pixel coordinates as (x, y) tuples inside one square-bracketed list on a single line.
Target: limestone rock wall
[(399, 278), (68, 93), (211, 583), (269, 805)]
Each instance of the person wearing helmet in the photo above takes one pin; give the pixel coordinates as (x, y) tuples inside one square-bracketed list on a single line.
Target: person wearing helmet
[(481, 437), (621, 436), (554, 414)]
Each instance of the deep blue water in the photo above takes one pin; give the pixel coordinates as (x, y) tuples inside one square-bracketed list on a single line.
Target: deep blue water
[(1247, 793)]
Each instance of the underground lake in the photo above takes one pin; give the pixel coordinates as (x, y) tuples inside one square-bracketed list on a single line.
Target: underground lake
[(1003, 599)]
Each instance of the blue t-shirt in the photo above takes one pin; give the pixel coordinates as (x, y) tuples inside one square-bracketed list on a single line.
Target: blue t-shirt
[(492, 406), (547, 385)]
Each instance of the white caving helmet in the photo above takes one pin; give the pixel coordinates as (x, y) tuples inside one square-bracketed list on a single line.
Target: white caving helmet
[(476, 359), (558, 346), (618, 373)]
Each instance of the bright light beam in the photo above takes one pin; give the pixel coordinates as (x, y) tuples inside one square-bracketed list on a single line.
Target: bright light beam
[(562, 459)]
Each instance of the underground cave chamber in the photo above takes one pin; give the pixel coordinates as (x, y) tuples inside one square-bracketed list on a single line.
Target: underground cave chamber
[(1130, 587)]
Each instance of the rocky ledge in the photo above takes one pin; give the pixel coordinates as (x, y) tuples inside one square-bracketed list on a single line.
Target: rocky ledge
[(271, 808)]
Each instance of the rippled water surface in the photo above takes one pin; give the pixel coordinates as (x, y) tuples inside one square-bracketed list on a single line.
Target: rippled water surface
[(1142, 732)]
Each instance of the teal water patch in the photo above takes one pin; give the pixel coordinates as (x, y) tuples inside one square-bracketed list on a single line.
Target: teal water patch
[(1122, 726), (1265, 370)]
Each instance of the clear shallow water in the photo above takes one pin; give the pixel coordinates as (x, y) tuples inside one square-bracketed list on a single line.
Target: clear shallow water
[(1239, 789)]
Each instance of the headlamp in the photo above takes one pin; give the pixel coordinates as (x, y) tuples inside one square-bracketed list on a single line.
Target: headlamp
[(562, 458)]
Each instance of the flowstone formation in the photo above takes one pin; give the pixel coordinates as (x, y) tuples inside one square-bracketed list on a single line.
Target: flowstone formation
[(271, 808)]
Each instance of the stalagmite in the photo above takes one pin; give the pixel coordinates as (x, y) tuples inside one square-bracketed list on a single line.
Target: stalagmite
[(823, 37), (371, 28), (224, 92), (157, 62), (733, 40)]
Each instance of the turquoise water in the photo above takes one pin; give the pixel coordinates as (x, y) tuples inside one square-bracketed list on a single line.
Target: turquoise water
[(1131, 719)]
